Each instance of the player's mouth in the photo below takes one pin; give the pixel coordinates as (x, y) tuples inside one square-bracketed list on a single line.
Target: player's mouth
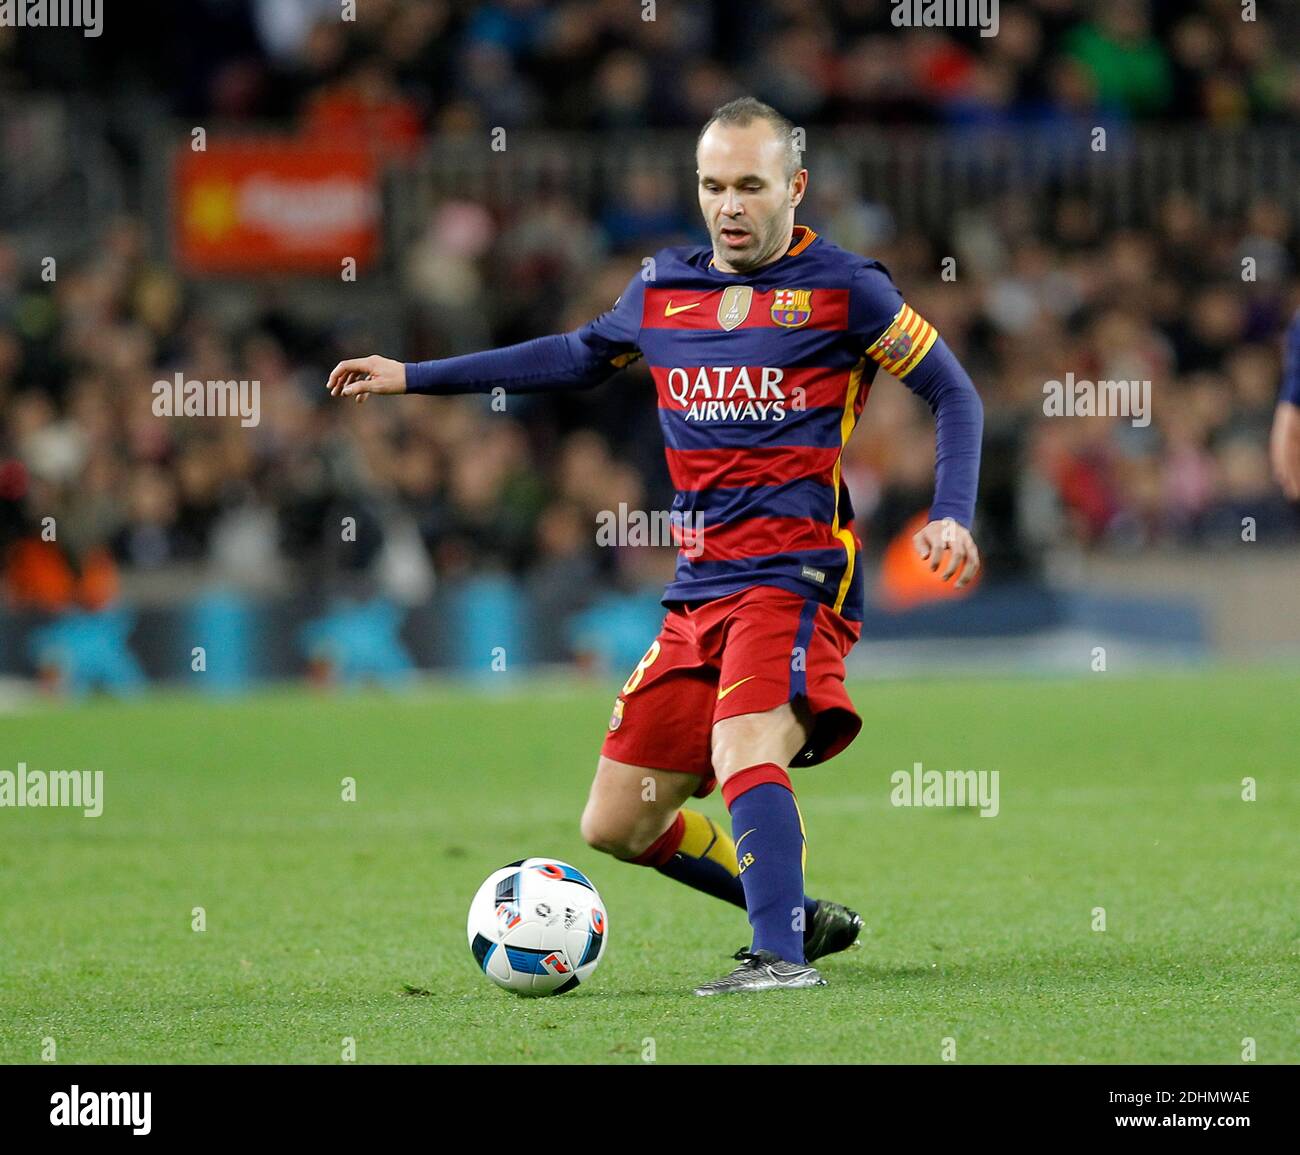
[(733, 236)]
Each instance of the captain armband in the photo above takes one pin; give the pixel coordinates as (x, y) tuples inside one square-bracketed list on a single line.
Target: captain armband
[(900, 348)]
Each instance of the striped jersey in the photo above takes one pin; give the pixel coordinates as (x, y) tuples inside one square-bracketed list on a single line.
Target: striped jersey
[(760, 380)]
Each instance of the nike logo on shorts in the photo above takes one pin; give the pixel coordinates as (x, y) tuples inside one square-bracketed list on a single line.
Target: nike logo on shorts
[(723, 693)]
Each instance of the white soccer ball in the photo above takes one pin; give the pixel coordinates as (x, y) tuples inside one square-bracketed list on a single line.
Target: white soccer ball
[(537, 927)]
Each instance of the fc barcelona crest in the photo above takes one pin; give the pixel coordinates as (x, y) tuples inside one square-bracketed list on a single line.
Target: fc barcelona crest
[(791, 307), (897, 344), (734, 306), (616, 718)]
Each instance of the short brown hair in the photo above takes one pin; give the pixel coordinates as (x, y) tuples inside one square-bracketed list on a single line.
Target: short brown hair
[(747, 109)]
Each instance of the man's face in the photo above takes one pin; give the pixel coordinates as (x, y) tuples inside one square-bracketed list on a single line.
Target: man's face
[(748, 203)]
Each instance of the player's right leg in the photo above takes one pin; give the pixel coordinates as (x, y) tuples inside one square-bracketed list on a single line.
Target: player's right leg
[(662, 718), (636, 814), (630, 807)]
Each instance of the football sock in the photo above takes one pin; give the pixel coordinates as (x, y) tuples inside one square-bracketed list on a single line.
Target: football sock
[(695, 850), (770, 847)]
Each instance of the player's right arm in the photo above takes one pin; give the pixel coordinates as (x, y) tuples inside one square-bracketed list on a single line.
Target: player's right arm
[(580, 359)]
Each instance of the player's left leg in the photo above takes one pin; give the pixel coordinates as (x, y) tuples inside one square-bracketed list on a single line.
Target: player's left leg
[(750, 754), (782, 669)]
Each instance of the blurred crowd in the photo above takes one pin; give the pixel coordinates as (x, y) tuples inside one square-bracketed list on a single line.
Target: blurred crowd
[(95, 488), (446, 486), (406, 67)]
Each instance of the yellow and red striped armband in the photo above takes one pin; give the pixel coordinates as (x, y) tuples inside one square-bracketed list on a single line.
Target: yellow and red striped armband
[(901, 346)]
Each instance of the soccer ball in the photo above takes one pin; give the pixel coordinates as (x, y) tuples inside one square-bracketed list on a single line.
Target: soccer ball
[(537, 927)]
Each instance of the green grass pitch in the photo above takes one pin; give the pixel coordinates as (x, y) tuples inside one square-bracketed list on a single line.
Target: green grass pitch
[(329, 919)]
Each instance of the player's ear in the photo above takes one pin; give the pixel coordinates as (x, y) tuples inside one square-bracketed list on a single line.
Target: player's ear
[(798, 186)]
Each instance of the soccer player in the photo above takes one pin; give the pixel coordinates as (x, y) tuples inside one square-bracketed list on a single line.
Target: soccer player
[(1285, 441), (763, 346)]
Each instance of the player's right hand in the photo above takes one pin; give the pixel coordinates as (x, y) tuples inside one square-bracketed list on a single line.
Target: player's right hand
[(360, 376), (1284, 448)]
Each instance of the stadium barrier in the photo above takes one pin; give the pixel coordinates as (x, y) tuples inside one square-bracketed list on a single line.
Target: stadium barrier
[(60, 179), (927, 177), (223, 641)]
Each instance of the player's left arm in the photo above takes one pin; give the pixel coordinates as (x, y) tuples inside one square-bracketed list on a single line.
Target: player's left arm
[(907, 346), (1284, 444)]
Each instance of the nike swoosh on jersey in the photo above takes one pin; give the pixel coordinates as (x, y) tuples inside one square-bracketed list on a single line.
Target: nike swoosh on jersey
[(669, 310), (723, 693)]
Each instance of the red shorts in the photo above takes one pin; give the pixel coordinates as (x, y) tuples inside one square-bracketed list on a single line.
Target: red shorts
[(742, 654)]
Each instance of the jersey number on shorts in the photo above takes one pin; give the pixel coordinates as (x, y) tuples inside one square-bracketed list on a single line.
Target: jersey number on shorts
[(644, 664)]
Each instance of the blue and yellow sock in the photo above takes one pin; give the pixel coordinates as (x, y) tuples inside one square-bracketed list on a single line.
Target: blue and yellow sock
[(770, 844), (696, 851)]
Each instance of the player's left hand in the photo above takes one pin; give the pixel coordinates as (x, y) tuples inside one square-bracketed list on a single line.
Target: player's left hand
[(1284, 448), (946, 535)]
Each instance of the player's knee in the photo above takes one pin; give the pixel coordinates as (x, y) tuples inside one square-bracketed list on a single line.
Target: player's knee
[(727, 759), (595, 832), (609, 837), (751, 739)]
